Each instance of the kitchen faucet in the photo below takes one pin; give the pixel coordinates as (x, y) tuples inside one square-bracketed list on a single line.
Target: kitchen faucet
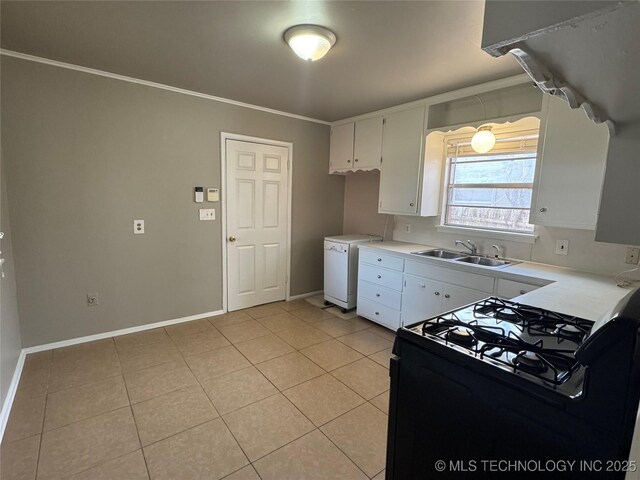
[(470, 245), (498, 249)]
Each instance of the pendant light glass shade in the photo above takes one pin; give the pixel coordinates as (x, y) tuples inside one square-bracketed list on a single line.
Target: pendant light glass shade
[(483, 140), (310, 42)]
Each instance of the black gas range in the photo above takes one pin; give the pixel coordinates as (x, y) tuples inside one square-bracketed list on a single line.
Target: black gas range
[(499, 389)]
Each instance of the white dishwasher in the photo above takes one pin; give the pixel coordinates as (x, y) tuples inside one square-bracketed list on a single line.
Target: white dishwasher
[(341, 268)]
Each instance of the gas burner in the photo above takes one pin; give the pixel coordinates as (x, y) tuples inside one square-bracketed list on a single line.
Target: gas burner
[(530, 362), (461, 336), (568, 330)]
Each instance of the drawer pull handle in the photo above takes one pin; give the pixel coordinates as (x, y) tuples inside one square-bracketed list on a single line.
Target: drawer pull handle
[(379, 276), (379, 259), (447, 295), (522, 292), (436, 293), (422, 285), (377, 294), (377, 313)]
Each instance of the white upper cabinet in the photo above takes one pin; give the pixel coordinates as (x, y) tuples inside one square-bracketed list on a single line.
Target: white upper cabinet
[(367, 146), (402, 155), (571, 159), (341, 147), (356, 146)]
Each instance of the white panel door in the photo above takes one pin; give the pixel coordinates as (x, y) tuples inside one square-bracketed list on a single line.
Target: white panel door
[(256, 211)]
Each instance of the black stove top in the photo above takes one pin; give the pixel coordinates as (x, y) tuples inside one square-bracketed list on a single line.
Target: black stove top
[(525, 340)]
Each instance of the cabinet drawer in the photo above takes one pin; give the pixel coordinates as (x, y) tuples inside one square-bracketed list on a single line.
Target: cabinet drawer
[(378, 294), (380, 276), (378, 313), (382, 260), (449, 275), (511, 289)]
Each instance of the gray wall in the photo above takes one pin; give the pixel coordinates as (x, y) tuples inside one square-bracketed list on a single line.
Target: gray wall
[(361, 205), (10, 344), (87, 155)]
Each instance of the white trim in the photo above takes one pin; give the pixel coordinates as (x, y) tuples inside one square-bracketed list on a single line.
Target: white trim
[(124, 78), (11, 393), (529, 238), (117, 333), (305, 295), (224, 136)]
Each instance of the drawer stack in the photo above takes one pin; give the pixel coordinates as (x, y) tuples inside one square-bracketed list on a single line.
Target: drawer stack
[(380, 279)]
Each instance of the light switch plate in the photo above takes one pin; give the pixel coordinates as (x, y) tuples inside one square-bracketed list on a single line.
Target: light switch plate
[(562, 247), (138, 227), (207, 213), (633, 254)]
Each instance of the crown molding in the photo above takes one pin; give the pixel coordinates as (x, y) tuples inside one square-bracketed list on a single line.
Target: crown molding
[(124, 78)]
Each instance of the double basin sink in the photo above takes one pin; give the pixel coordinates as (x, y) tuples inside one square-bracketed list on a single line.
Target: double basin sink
[(463, 258)]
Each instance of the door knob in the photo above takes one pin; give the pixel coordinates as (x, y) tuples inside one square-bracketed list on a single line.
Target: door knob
[(232, 238)]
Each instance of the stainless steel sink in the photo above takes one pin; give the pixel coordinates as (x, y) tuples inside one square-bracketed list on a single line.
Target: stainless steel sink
[(484, 261), (446, 254)]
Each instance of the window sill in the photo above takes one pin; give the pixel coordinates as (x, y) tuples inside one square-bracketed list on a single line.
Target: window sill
[(529, 238)]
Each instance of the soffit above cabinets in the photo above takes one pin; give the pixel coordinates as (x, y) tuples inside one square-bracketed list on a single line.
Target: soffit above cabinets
[(597, 53), (387, 53)]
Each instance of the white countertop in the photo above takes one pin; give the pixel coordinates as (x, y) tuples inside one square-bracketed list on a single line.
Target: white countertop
[(572, 292)]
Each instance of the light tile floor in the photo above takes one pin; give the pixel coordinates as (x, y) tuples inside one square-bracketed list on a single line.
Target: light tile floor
[(279, 391)]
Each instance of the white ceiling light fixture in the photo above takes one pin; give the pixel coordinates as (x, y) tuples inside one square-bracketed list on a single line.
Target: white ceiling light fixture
[(483, 140), (310, 42)]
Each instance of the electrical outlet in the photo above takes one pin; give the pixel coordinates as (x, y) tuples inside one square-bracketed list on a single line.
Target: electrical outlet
[(562, 247), (407, 228), (138, 227), (633, 254), (207, 213), (92, 299)]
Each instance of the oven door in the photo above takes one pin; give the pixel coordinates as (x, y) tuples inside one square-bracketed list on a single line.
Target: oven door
[(441, 410)]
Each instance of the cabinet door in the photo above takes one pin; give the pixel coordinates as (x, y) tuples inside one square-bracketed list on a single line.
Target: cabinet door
[(455, 297), (570, 170), (341, 148), (402, 142), (421, 299), (367, 146)]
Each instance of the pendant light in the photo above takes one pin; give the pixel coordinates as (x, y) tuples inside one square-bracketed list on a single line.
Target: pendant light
[(310, 42), (483, 140)]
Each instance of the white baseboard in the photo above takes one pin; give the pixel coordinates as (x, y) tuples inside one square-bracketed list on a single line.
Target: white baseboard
[(305, 295), (117, 333), (13, 387), (11, 393)]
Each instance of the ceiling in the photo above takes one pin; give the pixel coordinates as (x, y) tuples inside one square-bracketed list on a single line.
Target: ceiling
[(387, 52)]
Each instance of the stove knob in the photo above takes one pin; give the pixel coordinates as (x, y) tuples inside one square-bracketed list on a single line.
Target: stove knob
[(436, 293)]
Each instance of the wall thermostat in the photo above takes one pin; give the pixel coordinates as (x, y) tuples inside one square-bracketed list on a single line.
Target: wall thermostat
[(199, 194), (213, 194)]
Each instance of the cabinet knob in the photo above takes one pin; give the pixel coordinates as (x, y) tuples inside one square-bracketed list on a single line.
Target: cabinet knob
[(379, 259), (543, 209), (522, 292), (379, 276), (446, 295), (377, 313), (422, 285), (348, 161), (377, 294), (356, 159), (436, 293), (411, 204)]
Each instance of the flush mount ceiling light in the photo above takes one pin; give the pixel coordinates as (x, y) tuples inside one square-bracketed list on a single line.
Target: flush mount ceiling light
[(483, 140), (310, 42)]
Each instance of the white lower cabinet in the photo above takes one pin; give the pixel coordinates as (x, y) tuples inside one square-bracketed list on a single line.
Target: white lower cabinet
[(509, 288), (380, 288), (424, 298)]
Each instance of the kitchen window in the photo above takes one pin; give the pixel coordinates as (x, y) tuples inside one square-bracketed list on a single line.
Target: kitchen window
[(491, 191)]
